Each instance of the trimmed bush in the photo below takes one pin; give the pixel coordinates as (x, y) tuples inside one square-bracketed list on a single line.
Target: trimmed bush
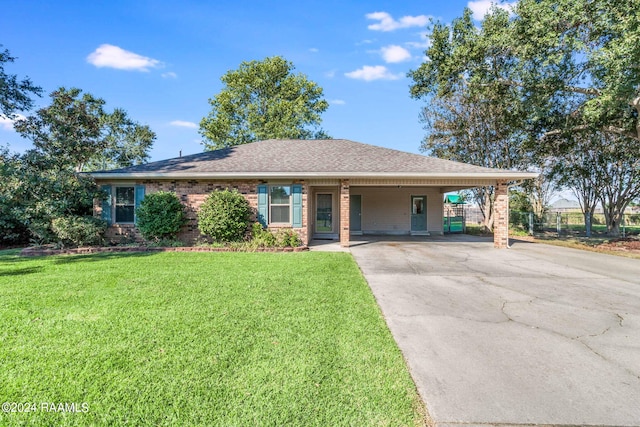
[(286, 238), (224, 216), (160, 216), (262, 238), (282, 238), (79, 230)]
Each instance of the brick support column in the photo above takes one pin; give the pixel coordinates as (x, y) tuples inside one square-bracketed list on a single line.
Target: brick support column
[(344, 213), (501, 221)]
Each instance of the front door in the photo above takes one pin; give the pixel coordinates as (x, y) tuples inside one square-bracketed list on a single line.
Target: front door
[(418, 213), (324, 213), (355, 213)]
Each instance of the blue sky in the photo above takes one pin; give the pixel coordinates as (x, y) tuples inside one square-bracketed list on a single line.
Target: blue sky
[(162, 60)]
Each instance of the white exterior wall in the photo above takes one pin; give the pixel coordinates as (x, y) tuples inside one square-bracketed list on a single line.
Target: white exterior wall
[(388, 209)]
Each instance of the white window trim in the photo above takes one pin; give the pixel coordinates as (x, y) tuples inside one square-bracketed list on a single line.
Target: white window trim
[(290, 204)]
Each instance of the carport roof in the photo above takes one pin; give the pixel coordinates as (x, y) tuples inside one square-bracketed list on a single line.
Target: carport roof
[(277, 158)]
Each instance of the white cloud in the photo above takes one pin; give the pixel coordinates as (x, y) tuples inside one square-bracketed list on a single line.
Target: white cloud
[(481, 7), (111, 56), (369, 73), (330, 74), (387, 23), (337, 102), (423, 44), (7, 124), (184, 124), (314, 50), (169, 75), (394, 53)]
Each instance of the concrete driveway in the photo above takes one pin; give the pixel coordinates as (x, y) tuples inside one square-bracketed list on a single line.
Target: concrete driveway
[(535, 334)]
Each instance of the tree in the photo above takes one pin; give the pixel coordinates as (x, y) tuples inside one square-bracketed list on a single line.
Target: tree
[(76, 131), (470, 116), (70, 135), (569, 65), (14, 93), (578, 67), (604, 169), (582, 56), (34, 190), (263, 100)]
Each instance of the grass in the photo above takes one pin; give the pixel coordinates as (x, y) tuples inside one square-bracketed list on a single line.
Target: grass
[(192, 339)]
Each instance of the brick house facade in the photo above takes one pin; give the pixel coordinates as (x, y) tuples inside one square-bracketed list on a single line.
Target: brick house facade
[(329, 189)]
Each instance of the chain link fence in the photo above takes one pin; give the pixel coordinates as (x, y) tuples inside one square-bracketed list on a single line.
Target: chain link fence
[(568, 223)]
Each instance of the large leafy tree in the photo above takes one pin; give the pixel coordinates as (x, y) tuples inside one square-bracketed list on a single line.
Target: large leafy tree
[(568, 71), (579, 61), (15, 95), (76, 131), (71, 135), (469, 115), (579, 71), (263, 100)]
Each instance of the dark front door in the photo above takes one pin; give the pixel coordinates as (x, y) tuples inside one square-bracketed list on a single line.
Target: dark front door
[(324, 213), (418, 213), (355, 213)]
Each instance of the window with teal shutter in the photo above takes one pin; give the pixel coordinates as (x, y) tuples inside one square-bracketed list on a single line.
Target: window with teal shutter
[(296, 191), (106, 204), (263, 205), (138, 198)]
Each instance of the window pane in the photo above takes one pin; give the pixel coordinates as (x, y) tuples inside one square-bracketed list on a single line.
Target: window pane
[(124, 213), (280, 214), (124, 196), (280, 195), (323, 212)]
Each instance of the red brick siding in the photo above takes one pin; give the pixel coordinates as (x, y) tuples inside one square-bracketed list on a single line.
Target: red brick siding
[(500, 225), (192, 194)]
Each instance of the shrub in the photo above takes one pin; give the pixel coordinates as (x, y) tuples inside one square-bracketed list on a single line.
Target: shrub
[(224, 216), (160, 216), (285, 237), (79, 230), (262, 238)]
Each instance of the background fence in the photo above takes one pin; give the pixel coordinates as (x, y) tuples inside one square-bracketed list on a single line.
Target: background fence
[(568, 223)]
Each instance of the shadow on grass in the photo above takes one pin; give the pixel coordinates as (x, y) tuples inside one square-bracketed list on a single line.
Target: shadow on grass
[(101, 256), (20, 271), (11, 256)]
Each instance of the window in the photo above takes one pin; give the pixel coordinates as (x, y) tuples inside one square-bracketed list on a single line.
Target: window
[(280, 204), (125, 204)]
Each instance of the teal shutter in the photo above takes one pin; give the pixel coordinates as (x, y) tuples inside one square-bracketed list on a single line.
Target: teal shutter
[(106, 204), (263, 205), (296, 192), (139, 195)]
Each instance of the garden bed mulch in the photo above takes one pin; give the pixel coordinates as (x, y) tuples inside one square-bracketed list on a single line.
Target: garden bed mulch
[(40, 251), (625, 244)]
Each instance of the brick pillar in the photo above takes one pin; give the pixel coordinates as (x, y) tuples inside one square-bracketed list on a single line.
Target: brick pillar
[(501, 221), (344, 213)]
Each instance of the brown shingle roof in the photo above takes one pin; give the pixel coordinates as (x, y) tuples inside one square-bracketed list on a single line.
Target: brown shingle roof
[(332, 157)]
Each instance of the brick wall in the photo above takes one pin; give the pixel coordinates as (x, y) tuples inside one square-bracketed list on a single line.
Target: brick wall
[(344, 213), (192, 193), (500, 225)]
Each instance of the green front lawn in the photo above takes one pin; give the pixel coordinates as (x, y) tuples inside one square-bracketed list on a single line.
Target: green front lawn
[(209, 339)]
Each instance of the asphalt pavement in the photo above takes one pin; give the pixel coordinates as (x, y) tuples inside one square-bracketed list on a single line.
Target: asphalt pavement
[(532, 335)]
